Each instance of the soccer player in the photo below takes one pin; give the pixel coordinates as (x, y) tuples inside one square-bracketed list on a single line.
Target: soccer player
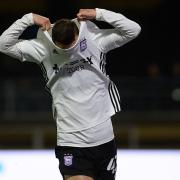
[(72, 53)]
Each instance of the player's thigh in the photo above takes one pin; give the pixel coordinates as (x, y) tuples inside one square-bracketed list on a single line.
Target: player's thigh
[(108, 163), (77, 177)]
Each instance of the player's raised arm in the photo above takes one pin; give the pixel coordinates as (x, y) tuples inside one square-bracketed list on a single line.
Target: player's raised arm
[(107, 39), (24, 50)]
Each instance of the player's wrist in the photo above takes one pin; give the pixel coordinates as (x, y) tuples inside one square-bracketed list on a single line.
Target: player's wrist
[(86, 14), (42, 21)]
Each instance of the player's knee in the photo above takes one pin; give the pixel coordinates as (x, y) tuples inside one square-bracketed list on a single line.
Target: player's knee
[(78, 177)]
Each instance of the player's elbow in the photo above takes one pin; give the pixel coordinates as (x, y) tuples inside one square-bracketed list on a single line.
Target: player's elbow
[(137, 30), (3, 47), (134, 31)]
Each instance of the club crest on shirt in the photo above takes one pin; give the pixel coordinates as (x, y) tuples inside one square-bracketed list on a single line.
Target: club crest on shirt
[(68, 159), (83, 45)]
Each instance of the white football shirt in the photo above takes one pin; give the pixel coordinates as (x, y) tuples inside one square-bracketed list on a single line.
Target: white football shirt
[(83, 95)]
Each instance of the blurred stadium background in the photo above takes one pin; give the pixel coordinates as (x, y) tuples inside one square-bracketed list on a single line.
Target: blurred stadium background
[(146, 71)]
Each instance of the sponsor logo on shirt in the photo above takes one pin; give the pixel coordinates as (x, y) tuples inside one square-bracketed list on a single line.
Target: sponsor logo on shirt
[(73, 66)]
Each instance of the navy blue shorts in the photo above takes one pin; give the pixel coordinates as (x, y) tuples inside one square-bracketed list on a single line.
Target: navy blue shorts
[(98, 162)]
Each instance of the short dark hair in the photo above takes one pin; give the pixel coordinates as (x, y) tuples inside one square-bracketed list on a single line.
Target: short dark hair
[(64, 31)]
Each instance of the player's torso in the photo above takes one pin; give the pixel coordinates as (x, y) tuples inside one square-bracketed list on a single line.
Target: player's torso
[(77, 67), (78, 84)]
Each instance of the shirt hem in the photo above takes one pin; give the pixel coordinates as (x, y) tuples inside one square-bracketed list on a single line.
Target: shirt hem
[(85, 128), (88, 144)]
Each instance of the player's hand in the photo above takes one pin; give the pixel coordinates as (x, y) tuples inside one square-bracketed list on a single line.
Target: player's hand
[(42, 22), (86, 14)]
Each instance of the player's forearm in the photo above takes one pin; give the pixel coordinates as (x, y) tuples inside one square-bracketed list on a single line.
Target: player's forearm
[(9, 38), (125, 26)]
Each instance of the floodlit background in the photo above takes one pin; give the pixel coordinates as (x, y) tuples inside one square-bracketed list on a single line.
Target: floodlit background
[(146, 72)]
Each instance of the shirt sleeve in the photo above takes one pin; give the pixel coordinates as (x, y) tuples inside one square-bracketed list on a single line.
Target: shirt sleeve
[(124, 30), (24, 50)]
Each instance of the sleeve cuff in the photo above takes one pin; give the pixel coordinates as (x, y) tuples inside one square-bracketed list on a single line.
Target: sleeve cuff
[(98, 14), (29, 18)]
